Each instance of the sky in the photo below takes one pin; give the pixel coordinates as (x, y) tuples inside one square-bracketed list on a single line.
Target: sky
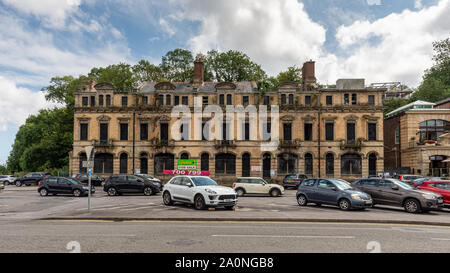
[(378, 40)]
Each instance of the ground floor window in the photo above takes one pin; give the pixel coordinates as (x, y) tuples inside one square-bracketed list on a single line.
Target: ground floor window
[(164, 162), (205, 162), (329, 164), (372, 164), (104, 163), (144, 164), (225, 164), (246, 165), (124, 163), (351, 164), (308, 163), (287, 163)]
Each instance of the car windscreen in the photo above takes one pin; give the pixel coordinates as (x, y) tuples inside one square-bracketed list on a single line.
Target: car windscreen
[(72, 180), (341, 184), (204, 181), (402, 185)]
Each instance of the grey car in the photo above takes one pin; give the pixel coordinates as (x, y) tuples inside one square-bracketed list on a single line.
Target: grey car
[(393, 192), (332, 192)]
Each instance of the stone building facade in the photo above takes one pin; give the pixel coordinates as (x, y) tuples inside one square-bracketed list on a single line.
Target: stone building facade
[(416, 138), (322, 132)]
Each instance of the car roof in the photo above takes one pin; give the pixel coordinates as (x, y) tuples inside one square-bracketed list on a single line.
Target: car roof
[(250, 178)]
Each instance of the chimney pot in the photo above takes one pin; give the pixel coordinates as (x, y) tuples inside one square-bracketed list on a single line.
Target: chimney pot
[(199, 70)]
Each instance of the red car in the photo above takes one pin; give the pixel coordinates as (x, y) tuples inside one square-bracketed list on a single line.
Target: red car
[(440, 187)]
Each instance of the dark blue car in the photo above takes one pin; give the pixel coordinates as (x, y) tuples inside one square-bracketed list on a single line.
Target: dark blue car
[(332, 192)]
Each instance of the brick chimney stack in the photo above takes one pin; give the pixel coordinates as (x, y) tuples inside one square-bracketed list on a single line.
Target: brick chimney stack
[(199, 70), (308, 74)]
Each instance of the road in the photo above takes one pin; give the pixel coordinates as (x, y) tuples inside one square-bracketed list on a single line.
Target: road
[(211, 237), (23, 230)]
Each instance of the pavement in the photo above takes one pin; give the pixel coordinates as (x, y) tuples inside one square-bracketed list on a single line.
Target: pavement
[(25, 203)]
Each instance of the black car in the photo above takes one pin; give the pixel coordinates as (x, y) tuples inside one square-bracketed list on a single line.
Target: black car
[(30, 179), (63, 185), (84, 179), (293, 180), (123, 183)]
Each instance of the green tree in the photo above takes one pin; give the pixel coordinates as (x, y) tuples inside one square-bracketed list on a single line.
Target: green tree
[(233, 66), (62, 90), (3, 169), (145, 71), (178, 65), (120, 75), (392, 104), (292, 74), (436, 81), (43, 142)]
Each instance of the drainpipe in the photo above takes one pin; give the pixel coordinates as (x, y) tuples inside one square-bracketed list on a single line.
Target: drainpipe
[(134, 139), (318, 134)]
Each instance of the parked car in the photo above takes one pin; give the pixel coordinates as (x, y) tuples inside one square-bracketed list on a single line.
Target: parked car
[(419, 181), (408, 178), (256, 185), (293, 180), (155, 181), (124, 183), (84, 179), (332, 192), (7, 179), (441, 187), (201, 191), (149, 177), (30, 179), (63, 185), (396, 193)]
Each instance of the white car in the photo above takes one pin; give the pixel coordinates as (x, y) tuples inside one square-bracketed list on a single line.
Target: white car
[(7, 179), (256, 185), (201, 191)]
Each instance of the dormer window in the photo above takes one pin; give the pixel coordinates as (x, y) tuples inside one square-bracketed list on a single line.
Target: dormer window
[(100, 100), (221, 99), (229, 99), (291, 99), (283, 99), (84, 101), (124, 101)]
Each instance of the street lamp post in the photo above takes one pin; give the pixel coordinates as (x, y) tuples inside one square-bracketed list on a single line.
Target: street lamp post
[(89, 164)]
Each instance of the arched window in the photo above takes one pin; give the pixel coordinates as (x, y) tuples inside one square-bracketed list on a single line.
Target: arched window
[(184, 156), (372, 164), (309, 163), (123, 163), (103, 163), (164, 162), (225, 164), (246, 165), (205, 162), (83, 158), (287, 163), (329, 158), (266, 165), (291, 99), (351, 164), (144, 163), (432, 129)]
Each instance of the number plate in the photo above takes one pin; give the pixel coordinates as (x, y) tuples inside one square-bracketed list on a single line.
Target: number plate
[(440, 201), (228, 200)]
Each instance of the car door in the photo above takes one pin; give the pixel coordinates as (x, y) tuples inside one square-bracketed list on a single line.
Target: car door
[(443, 188), (325, 192), (247, 185), (176, 189), (135, 184), (64, 186), (187, 189), (368, 186), (121, 183), (388, 195), (52, 184), (308, 186)]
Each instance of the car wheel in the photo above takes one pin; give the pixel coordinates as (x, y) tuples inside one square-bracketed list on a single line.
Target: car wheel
[(229, 207), (76, 193), (18, 184), (199, 202), (43, 192), (412, 206), (302, 200), (344, 204), (240, 192), (275, 193), (112, 191), (167, 199), (148, 191)]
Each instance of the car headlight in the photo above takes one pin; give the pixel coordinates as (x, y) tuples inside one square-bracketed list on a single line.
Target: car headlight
[(429, 196), (210, 191), (356, 196), (86, 188)]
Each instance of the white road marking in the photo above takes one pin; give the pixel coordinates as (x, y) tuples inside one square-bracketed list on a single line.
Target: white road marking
[(288, 236), (440, 239)]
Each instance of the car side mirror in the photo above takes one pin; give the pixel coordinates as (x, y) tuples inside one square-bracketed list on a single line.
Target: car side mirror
[(395, 188), (190, 185), (334, 189)]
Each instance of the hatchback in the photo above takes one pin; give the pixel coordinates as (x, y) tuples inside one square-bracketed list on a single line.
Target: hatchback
[(62, 185), (293, 180), (393, 192), (332, 192), (441, 187), (120, 184)]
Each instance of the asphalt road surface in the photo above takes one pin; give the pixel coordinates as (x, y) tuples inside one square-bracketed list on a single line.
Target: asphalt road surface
[(211, 237)]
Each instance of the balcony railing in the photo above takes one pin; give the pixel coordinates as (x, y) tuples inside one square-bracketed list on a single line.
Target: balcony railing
[(355, 145), (103, 143), (224, 143), (289, 144)]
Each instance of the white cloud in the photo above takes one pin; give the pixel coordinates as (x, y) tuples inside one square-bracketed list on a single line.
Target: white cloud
[(16, 103), (418, 4), (53, 12), (166, 27), (403, 49), (275, 34)]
